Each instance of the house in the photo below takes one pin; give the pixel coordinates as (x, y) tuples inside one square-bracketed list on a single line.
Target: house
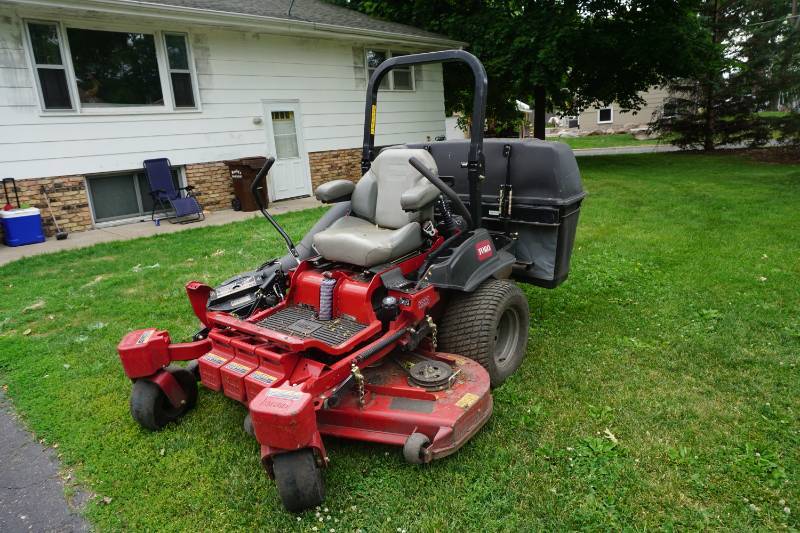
[(612, 117), (91, 88)]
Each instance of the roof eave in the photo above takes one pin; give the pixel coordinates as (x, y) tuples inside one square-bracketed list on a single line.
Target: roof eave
[(226, 18)]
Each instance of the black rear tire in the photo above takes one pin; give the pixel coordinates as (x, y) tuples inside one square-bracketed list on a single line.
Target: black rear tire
[(490, 326), (151, 408), (299, 479)]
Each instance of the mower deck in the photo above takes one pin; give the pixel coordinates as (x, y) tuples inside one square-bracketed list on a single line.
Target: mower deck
[(393, 409)]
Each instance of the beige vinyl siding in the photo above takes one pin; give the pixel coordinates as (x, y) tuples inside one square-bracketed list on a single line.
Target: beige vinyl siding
[(653, 100)]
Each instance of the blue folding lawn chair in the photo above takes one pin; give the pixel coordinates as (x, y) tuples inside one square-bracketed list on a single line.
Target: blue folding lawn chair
[(181, 200)]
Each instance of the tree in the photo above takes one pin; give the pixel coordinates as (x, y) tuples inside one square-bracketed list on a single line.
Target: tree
[(559, 54), (751, 61)]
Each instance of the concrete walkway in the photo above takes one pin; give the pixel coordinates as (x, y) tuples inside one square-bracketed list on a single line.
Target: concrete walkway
[(31, 491), (144, 229)]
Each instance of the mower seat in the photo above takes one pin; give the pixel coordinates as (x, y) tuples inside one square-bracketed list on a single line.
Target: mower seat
[(388, 205)]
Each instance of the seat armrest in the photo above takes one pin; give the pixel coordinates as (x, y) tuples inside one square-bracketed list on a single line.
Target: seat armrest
[(421, 195), (335, 191)]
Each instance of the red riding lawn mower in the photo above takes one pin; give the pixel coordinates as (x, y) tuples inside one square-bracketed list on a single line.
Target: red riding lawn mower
[(394, 317)]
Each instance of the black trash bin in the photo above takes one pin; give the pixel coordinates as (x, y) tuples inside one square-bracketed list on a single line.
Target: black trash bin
[(243, 172)]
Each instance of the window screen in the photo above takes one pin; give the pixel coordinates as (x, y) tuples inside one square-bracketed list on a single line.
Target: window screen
[(604, 115)]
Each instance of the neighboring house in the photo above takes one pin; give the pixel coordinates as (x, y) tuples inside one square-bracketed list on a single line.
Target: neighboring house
[(91, 88), (612, 117)]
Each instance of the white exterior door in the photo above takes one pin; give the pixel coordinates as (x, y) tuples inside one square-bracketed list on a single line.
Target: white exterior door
[(289, 177)]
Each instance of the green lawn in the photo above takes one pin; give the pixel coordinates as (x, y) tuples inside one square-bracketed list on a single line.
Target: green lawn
[(604, 141), (661, 387)]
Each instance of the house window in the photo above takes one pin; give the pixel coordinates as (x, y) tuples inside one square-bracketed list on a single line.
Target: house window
[(48, 61), (397, 79), (605, 115), (122, 196), (114, 68), (80, 68), (179, 72)]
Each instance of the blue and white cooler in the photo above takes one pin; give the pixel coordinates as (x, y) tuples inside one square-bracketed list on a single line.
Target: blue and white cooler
[(22, 226)]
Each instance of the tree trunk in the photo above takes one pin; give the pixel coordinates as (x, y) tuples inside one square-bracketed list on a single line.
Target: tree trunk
[(710, 126), (539, 104)]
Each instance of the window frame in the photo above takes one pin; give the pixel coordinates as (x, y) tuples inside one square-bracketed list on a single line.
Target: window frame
[(66, 66), (162, 61), (190, 71), (390, 54), (611, 120)]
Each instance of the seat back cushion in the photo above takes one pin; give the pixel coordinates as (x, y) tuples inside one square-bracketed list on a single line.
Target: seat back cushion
[(394, 175), (365, 196)]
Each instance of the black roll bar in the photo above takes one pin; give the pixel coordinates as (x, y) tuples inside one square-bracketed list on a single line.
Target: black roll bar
[(475, 162)]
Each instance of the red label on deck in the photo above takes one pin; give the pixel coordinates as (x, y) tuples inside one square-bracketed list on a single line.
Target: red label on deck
[(484, 250)]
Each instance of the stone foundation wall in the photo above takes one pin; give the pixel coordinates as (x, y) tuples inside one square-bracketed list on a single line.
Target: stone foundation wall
[(67, 198), (213, 182), (334, 165)]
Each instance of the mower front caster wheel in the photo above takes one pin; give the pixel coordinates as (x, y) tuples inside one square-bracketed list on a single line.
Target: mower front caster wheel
[(247, 425), (151, 408), (299, 479), (415, 450)]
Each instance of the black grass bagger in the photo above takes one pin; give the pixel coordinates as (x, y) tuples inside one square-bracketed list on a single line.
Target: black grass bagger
[(395, 315)]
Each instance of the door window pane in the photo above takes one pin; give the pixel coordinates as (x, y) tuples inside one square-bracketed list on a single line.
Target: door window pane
[(113, 197), (55, 93), (44, 41), (115, 68), (285, 133)]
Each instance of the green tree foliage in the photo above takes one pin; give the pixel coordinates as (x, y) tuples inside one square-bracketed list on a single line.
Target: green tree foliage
[(560, 54), (746, 87)]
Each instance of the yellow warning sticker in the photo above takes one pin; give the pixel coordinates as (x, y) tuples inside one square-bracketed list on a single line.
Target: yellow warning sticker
[(467, 401), (263, 377), (374, 117), (214, 358)]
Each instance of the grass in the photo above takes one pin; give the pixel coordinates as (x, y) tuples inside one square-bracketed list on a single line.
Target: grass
[(660, 388), (605, 141)]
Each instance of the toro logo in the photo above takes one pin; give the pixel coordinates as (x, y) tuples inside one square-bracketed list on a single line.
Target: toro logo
[(484, 250)]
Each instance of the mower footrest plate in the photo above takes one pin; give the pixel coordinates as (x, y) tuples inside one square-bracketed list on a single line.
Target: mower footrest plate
[(301, 321)]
